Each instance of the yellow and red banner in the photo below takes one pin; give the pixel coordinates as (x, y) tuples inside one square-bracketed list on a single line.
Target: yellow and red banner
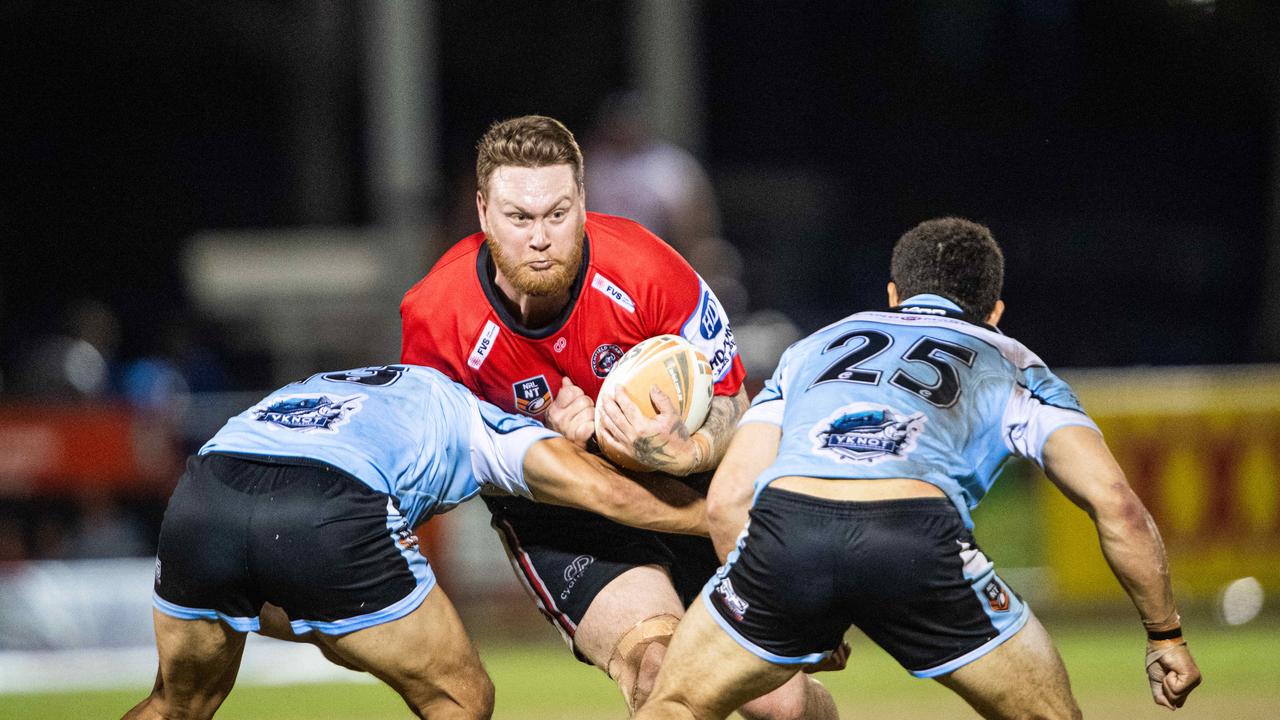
[(1201, 447)]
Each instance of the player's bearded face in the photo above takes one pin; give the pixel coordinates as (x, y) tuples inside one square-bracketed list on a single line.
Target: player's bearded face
[(539, 274), (533, 221)]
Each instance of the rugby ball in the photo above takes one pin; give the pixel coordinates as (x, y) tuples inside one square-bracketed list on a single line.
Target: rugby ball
[(676, 367)]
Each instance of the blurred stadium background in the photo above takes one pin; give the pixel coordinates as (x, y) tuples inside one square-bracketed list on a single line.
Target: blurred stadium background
[(200, 201)]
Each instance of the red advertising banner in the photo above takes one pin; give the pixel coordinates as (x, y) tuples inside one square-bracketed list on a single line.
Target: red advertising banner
[(50, 448)]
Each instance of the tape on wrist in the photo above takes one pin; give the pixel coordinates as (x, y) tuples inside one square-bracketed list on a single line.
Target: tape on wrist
[(1154, 654), (1170, 634)]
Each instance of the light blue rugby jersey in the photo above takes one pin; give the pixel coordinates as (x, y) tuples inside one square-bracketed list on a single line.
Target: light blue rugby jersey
[(404, 430), (914, 392)]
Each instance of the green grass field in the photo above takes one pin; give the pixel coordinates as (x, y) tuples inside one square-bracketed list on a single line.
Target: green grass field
[(541, 682)]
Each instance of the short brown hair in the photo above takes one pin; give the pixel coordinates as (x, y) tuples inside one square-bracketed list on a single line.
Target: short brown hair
[(951, 257), (526, 141)]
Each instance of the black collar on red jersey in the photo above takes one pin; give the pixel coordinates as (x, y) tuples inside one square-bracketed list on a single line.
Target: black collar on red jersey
[(485, 271)]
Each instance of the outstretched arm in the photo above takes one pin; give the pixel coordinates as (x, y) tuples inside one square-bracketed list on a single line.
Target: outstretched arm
[(662, 443), (752, 450), (556, 471), (1078, 461)]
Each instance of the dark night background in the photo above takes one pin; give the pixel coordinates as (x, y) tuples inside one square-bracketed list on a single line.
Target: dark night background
[(1123, 153)]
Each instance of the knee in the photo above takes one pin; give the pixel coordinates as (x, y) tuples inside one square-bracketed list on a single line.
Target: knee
[(477, 701), (156, 707), (193, 704), (467, 695), (484, 698), (773, 708), (646, 673), (665, 709), (638, 655), (792, 701), (1068, 709)]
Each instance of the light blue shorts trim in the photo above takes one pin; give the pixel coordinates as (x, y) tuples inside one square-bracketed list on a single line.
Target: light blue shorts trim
[(1009, 631), (395, 611), (747, 644), (239, 624)]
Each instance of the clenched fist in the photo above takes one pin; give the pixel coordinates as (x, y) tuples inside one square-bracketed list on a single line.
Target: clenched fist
[(572, 414)]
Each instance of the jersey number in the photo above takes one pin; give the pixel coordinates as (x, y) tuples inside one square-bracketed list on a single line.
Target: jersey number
[(930, 351)]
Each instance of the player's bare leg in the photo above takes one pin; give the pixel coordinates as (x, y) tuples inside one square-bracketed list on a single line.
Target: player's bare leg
[(1022, 678), (273, 622), (707, 675), (799, 698), (425, 656), (627, 628), (199, 660)]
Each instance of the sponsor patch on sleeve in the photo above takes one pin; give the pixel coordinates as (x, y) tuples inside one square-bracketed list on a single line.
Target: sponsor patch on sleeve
[(708, 329)]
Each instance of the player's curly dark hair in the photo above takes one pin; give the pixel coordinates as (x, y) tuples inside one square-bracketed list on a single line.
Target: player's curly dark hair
[(526, 141), (952, 257)]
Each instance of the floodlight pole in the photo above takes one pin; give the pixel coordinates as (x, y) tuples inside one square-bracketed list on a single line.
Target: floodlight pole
[(666, 61), (401, 59)]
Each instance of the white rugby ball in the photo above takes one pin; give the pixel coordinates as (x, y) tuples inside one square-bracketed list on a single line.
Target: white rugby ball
[(676, 367)]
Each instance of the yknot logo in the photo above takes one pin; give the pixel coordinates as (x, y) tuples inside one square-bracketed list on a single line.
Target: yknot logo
[(865, 433), (308, 412)]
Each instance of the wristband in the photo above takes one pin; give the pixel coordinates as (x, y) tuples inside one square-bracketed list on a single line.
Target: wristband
[(1171, 634)]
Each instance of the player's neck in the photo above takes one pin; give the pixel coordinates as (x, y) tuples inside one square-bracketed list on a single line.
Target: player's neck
[(533, 311)]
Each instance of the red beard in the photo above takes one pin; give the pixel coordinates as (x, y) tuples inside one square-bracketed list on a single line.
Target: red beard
[(538, 283)]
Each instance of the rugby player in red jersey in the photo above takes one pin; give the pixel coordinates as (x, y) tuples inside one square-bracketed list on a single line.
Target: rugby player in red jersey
[(530, 314)]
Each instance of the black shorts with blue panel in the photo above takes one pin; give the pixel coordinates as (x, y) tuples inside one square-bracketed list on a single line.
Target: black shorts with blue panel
[(908, 573), (240, 531)]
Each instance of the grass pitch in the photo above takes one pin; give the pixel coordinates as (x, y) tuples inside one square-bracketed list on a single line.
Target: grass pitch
[(540, 681)]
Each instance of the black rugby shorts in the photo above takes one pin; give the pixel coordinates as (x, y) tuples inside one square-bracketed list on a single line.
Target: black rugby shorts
[(334, 553), (908, 573), (565, 557)]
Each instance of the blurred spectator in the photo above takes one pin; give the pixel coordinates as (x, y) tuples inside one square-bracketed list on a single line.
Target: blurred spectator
[(177, 366), (636, 174), (76, 363)]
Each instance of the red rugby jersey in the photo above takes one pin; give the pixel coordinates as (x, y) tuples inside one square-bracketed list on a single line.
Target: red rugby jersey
[(631, 286)]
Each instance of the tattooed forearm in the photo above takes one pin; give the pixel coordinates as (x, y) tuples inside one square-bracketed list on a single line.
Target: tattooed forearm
[(678, 452), (652, 451), (721, 421)]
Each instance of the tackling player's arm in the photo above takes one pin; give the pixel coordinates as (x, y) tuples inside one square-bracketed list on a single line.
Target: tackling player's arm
[(556, 471), (663, 443), (1078, 461), (751, 451)]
